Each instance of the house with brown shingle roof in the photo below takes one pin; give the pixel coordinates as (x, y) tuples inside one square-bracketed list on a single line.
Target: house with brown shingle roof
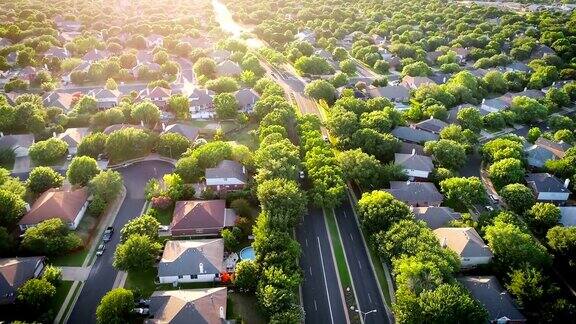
[(226, 176), (416, 82), (158, 95), (185, 306), (67, 204), (201, 218), (435, 217), (14, 272), (60, 100), (95, 55), (467, 244), (201, 99), (418, 194), (191, 261), (106, 98)]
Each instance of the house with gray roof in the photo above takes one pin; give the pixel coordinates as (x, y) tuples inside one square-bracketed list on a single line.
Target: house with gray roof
[(188, 131), (467, 244), (414, 165), (547, 187), (432, 125), (408, 148), (518, 66), (568, 216), (228, 68), (395, 93), (246, 98), (497, 301), (14, 272), (495, 104), (19, 143), (73, 137), (418, 194), (226, 176), (413, 135), (201, 99), (435, 217), (106, 98), (185, 306), (191, 261), (416, 82), (541, 50), (536, 156)]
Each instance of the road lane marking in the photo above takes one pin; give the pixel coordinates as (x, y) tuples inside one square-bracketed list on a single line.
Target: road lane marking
[(310, 271), (351, 236), (359, 264), (315, 305), (369, 298), (345, 215), (306, 242), (325, 281)]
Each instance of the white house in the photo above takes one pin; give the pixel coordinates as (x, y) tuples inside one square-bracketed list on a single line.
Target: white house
[(467, 243), (417, 166), (67, 204), (191, 261)]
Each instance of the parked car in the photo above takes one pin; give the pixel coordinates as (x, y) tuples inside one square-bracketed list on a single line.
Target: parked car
[(100, 249), (142, 311), (108, 234), (301, 174)]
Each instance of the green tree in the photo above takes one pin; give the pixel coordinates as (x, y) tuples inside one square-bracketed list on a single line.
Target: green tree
[(188, 169), (467, 191), (321, 89), (246, 275), (348, 67), (562, 240), (518, 197), (127, 144), (92, 145), (36, 293), (381, 146), (447, 153), (363, 168), (528, 110), (533, 134), (378, 210), (527, 287), (6, 241), (12, 208), (137, 253), (231, 237), (51, 237), (145, 225), (115, 307), (81, 170), (543, 216), (53, 275), (146, 112), (223, 84), (506, 171), (495, 82), (226, 106), (172, 145), (180, 105), (42, 179), (470, 118), (284, 202), (416, 69), (106, 185), (206, 67), (48, 152)]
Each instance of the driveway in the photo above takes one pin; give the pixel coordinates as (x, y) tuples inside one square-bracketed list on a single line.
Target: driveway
[(102, 275)]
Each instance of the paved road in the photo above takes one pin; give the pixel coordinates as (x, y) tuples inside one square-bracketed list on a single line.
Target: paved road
[(321, 294), (102, 276), (365, 282)]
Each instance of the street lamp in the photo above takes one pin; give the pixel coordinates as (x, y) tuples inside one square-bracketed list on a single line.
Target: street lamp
[(363, 314)]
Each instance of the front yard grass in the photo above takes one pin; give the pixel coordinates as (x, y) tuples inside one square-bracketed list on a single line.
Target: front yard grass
[(164, 217), (143, 282), (243, 305), (244, 137), (73, 259), (58, 299)]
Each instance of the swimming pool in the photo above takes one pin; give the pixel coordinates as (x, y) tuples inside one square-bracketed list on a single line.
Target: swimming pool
[(247, 253)]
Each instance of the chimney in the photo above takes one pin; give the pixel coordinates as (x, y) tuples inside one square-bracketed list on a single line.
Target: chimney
[(554, 83), (142, 123), (201, 267), (431, 117), (1, 134), (413, 151), (566, 183), (53, 134), (407, 182), (221, 312), (163, 126), (444, 242), (525, 88), (483, 100), (444, 80)]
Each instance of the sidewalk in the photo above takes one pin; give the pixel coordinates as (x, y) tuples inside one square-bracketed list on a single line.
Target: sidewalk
[(75, 273)]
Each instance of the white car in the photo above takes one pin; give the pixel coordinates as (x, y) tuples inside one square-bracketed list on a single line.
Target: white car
[(101, 249), (301, 174)]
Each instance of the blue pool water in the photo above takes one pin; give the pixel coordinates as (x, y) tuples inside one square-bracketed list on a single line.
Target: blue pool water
[(247, 253)]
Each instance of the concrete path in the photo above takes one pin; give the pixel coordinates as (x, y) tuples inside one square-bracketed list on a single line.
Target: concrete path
[(75, 273)]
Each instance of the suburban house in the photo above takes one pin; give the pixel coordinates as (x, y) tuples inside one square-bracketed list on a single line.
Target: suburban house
[(413, 135), (417, 166), (246, 98), (517, 66), (58, 52), (73, 137), (461, 53), (201, 99), (18, 143), (435, 217), (431, 57), (60, 100), (220, 55), (207, 305), (568, 216), (106, 98), (228, 68), (395, 93), (28, 73), (158, 96), (497, 302), (113, 128), (431, 125), (544, 150), (408, 148), (307, 35), (226, 176), (14, 272), (467, 244), (541, 50), (145, 68), (188, 131), (417, 194), (191, 261), (415, 82), (95, 55), (547, 187), (154, 40), (495, 104), (201, 218), (67, 204)]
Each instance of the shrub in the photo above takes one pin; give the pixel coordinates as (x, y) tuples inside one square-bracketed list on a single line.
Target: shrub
[(161, 202)]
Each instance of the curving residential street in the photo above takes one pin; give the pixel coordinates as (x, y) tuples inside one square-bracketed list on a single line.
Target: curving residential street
[(103, 274)]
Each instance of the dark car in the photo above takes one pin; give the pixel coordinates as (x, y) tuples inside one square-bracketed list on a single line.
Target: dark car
[(108, 234), (101, 249)]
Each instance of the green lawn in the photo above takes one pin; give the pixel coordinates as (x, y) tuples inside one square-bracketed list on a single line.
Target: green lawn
[(244, 137), (338, 249), (163, 216), (142, 281), (244, 306), (74, 259), (58, 299)]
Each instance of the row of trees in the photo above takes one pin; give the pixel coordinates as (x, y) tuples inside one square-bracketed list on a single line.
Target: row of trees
[(275, 275)]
